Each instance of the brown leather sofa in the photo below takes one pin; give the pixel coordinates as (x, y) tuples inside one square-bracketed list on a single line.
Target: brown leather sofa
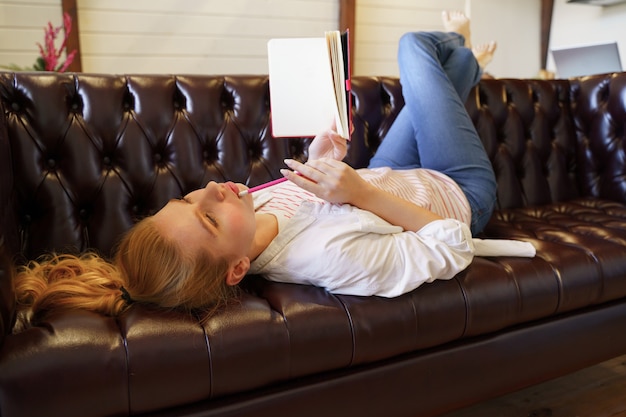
[(84, 156)]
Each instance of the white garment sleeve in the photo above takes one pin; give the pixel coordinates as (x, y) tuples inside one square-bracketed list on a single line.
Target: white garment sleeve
[(394, 264), (351, 251)]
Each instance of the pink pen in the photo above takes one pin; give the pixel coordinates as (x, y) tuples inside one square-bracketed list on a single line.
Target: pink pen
[(262, 186)]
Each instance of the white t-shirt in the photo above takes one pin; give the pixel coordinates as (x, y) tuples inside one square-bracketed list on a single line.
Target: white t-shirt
[(352, 251)]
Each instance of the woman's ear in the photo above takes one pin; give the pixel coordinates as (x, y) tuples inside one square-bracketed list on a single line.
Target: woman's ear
[(237, 270)]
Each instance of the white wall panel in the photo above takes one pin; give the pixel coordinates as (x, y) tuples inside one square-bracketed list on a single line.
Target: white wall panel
[(513, 24), (194, 36), (516, 26), (381, 23)]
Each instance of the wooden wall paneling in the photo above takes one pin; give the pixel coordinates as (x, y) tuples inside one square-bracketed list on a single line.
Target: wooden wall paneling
[(347, 20), (547, 7), (73, 40)]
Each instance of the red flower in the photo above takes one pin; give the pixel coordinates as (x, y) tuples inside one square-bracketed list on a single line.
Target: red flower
[(49, 54)]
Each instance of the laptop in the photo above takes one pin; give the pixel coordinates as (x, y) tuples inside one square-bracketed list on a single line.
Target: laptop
[(590, 59)]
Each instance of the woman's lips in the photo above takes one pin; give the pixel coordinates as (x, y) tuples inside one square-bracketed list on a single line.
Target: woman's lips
[(233, 187)]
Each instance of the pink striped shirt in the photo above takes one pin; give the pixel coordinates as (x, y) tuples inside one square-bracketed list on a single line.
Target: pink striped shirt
[(426, 188)]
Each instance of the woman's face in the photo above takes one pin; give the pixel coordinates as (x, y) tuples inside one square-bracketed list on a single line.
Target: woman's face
[(213, 218)]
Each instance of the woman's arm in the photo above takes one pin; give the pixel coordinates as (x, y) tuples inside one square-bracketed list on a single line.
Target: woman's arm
[(337, 182)]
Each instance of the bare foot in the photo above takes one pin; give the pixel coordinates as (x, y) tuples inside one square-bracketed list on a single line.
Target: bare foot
[(544, 74), (456, 21), (484, 53)]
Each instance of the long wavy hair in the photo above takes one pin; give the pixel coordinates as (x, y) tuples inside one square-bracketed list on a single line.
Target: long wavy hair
[(149, 267)]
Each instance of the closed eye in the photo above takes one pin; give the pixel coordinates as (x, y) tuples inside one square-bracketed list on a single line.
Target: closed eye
[(211, 219), (207, 216)]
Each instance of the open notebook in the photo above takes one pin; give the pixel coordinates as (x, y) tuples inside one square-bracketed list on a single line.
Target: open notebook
[(309, 80), (590, 59)]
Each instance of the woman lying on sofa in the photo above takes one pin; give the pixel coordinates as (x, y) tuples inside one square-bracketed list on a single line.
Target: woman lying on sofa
[(406, 220)]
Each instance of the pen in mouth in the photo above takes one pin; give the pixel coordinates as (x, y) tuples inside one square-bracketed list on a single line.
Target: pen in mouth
[(262, 186)]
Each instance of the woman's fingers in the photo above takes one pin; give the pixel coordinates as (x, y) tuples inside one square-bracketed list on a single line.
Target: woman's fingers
[(317, 170), (300, 168), (331, 180)]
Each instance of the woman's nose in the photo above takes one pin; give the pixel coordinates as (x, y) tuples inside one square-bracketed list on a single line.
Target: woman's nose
[(214, 190)]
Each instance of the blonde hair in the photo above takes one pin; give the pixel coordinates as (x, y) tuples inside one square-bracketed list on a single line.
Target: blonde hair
[(185, 281), (149, 267), (68, 281)]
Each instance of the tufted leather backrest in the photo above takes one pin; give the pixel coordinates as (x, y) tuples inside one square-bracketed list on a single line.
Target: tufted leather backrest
[(92, 154), (599, 112), (527, 129)]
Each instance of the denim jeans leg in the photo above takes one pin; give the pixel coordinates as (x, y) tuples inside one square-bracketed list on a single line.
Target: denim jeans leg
[(433, 130)]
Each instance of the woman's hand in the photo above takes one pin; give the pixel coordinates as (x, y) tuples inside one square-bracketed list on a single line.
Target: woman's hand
[(328, 144), (329, 179)]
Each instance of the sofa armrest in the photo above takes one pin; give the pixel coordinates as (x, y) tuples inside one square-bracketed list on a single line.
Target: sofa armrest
[(7, 294)]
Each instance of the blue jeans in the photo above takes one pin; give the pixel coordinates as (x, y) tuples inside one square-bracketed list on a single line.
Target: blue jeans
[(433, 129)]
